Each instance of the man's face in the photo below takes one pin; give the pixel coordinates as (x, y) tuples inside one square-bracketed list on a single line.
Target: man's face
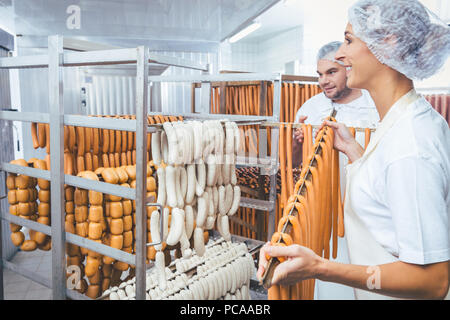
[(332, 79)]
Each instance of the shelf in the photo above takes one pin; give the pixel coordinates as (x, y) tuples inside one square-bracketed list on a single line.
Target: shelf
[(257, 204)]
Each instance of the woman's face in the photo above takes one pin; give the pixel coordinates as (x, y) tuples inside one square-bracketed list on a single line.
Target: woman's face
[(362, 66)]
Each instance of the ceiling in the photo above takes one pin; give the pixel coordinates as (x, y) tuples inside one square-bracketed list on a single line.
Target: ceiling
[(177, 20)]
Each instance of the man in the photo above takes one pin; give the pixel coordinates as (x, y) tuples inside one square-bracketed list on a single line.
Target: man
[(355, 108)]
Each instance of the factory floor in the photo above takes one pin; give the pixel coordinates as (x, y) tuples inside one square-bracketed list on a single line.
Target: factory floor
[(17, 287)]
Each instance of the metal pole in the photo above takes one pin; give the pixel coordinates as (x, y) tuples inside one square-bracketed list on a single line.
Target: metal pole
[(56, 111), (274, 157), (141, 169)]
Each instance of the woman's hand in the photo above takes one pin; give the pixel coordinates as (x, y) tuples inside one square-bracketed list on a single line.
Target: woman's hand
[(344, 140), (301, 264)]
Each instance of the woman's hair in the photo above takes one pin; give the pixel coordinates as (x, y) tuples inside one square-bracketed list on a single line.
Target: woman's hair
[(403, 35)]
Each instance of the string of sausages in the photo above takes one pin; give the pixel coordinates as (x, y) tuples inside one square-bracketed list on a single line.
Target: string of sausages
[(312, 214)]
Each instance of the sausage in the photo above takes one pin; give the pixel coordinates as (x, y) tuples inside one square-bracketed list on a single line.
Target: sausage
[(47, 138), (105, 140), (283, 166), (172, 200), (176, 227), (34, 136), (191, 183), (41, 134), (80, 143), (290, 176), (162, 193), (367, 137)]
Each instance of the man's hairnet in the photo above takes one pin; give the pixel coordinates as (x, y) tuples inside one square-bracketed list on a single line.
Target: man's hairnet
[(403, 35), (328, 51)]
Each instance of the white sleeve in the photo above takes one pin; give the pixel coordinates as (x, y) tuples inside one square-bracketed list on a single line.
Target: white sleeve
[(416, 191)]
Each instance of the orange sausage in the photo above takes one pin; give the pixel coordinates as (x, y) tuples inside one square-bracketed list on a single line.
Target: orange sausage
[(34, 135), (283, 166), (367, 137), (105, 140), (41, 134), (290, 175), (80, 141), (95, 141)]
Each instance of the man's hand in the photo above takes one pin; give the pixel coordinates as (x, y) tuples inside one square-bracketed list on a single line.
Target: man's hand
[(298, 132)]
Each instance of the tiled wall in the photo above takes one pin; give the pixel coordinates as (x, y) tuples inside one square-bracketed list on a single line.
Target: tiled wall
[(269, 54)]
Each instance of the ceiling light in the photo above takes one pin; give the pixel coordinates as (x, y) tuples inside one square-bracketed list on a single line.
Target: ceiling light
[(245, 32)]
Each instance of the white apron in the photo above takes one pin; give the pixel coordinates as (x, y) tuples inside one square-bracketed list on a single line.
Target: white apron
[(363, 249)]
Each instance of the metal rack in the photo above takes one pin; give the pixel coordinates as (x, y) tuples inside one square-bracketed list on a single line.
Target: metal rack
[(55, 61)]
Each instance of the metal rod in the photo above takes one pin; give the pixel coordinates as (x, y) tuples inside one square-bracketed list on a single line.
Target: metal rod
[(218, 77), (32, 172), (274, 154), (25, 116), (141, 168), (56, 110), (104, 187), (299, 125)]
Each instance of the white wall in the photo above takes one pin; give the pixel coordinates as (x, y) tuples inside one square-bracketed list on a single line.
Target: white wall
[(268, 54)]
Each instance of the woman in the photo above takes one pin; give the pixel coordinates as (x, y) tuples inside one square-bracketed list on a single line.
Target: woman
[(397, 201)]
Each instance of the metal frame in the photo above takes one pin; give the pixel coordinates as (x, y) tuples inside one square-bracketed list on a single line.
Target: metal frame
[(55, 60)]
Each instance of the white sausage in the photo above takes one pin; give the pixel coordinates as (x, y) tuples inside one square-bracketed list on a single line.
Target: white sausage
[(189, 220), (209, 224), (183, 182), (233, 177), (164, 147), (172, 140), (237, 137), (161, 173), (166, 223), (226, 173), (211, 174), (191, 183), (199, 243), (172, 200), (180, 200), (236, 200), (160, 269), (225, 227), (176, 227), (201, 211), (222, 208), (154, 229), (229, 138), (201, 178), (228, 197), (156, 148), (215, 192)]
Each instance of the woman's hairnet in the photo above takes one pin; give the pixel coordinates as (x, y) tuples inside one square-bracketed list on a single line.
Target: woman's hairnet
[(403, 35), (328, 51)]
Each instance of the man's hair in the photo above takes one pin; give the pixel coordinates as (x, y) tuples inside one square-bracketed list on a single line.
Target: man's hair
[(328, 51)]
